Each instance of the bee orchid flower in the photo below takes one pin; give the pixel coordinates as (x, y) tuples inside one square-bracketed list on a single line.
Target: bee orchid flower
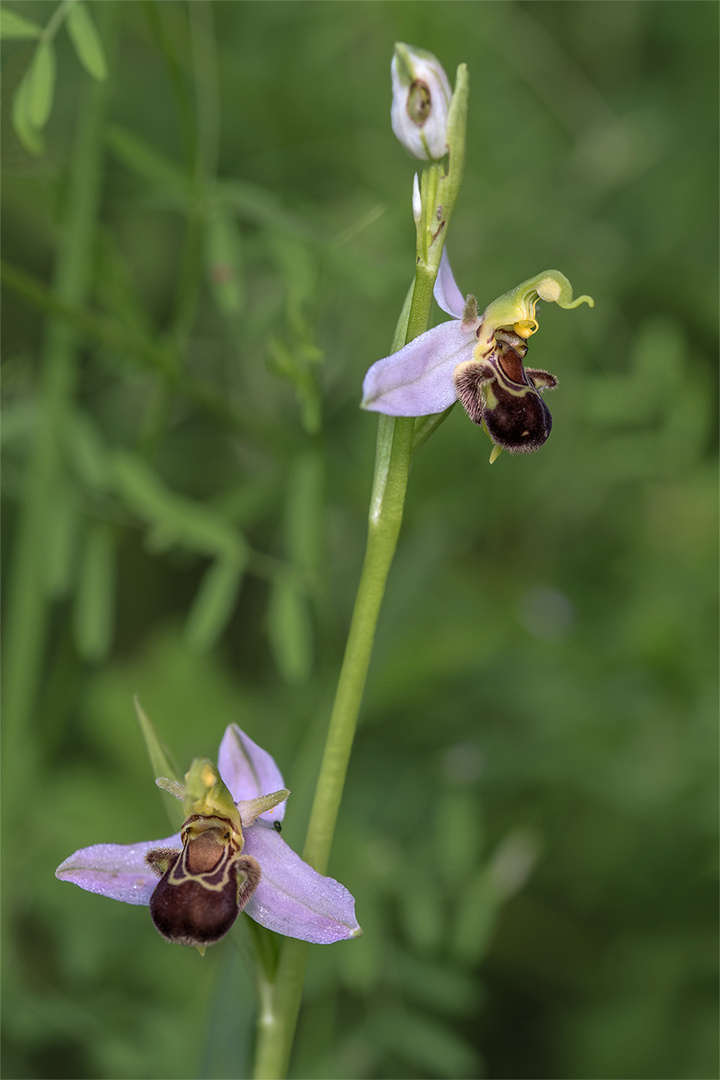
[(478, 360), (228, 857)]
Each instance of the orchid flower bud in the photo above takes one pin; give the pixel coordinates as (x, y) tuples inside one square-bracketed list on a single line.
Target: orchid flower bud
[(416, 201), (421, 99)]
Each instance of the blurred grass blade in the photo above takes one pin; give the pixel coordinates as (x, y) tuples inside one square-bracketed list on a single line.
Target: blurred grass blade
[(86, 40), (290, 631), (145, 161), (117, 288), (475, 918), (229, 1030), (224, 263), (175, 518), (426, 1041), (87, 453), (28, 134), (161, 759), (480, 901), (41, 76), (263, 207), (94, 612), (214, 603), (303, 512), (13, 25), (61, 541)]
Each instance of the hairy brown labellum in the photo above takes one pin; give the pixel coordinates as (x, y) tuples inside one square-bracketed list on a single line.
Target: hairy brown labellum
[(504, 395), (204, 886)]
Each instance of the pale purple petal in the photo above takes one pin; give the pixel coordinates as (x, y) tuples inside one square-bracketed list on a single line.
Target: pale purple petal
[(418, 380), (249, 771), (292, 898), (116, 870), (446, 292)]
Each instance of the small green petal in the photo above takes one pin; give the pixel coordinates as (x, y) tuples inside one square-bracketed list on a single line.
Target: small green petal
[(251, 809), (173, 787)]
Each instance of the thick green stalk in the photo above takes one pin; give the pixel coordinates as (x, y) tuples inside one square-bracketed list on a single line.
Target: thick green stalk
[(395, 437), (439, 189), (278, 1016)]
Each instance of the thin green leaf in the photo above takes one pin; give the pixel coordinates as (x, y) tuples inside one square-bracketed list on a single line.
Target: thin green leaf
[(303, 512), (433, 984), (18, 421), (27, 133), (61, 542), (87, 452), (86, 40), (213, 604), (475, 918), (224, 263), (161, 759), (420, 896), (94, 612), (290, 631), (13, 25), (229, 1031), (426, 1042), (145, 161), (174, 518), (257, 204), (42, 84), (116, 286)]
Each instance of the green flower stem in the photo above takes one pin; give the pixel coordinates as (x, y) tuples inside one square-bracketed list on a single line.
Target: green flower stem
[(278, 1017), (277, 1020), (439, 190)]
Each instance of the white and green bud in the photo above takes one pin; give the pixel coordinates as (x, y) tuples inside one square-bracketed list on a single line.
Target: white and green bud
[(416, 201), (421, 100)]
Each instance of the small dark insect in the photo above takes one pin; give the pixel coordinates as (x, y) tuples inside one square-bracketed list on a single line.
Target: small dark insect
[(277, 826)]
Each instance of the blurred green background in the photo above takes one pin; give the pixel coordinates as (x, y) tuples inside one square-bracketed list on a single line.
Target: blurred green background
[(210, 249)]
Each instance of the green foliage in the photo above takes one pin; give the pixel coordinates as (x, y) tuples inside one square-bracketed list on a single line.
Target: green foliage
[(86, 41), (203, 253), (35, 94), (14, 25)]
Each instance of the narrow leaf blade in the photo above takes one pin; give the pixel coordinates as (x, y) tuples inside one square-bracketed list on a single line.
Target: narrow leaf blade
[(224, 263), (25, 129), (160, 758), (86, 41), (16, 26), (290, 631), (42, 84), (94, 611), (214, 604)]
